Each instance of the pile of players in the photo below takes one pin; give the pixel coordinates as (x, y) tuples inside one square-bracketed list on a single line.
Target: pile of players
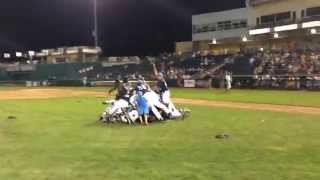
[(144, 100)]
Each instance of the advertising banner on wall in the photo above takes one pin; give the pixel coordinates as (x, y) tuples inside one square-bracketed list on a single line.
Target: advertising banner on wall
[(203, 83), (189, 83)]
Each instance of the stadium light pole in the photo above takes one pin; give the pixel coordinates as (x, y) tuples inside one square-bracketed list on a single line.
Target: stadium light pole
[(95, 31)]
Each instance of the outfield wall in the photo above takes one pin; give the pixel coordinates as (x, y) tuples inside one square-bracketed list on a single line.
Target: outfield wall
[(3, 75), (62, 71), (40, 72), (72, 75)]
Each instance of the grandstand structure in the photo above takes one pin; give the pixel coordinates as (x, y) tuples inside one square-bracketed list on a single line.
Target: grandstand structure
[(284, 24), (68, 55), (219, 31), (262, 25)]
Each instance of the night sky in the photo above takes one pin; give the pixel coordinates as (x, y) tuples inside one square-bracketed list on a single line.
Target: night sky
[(127, 27)]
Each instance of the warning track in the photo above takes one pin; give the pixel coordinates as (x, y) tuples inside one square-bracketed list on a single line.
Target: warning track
[(59, 93)]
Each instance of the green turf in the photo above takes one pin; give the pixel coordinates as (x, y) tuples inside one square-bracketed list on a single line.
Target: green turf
[(297, 98), (60, 139), (283, 97)]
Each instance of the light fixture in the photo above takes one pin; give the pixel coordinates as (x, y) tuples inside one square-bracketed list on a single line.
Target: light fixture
[(214, 41), (31, 53), (244, 39), (18, 54), (311, 24), (90, 51), (261, 49), (313, 31), (286, 27), (275, 35), (45, 52), (259, 31), (7, 55)]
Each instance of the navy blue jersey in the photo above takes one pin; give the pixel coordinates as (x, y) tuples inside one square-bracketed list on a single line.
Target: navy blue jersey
[(124, 91), (162, 86), (116, 86), (141, 88)]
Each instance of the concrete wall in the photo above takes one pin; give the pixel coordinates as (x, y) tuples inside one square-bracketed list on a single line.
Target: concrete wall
[(209, 18), (279, 6), (233, 33)]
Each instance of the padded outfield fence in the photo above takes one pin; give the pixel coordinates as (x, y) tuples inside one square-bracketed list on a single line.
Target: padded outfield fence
[(308, 82)]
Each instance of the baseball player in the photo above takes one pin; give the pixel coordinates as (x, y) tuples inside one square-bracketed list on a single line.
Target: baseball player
[(143, 107), (165, 94), (142, 86), (116, 86), (228, 80), (163, 89)]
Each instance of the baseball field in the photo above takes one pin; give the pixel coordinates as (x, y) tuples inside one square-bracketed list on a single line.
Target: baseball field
[(53, 134)]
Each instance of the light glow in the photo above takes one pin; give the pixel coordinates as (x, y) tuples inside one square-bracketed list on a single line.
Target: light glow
[(41, 54), (6, 55), (18, 54), (214, 41), (73, 51), (56, 53), (31, 53), (311, 24), (313, 31), (259, 31), (91, 51), (286, 27), (244, 39)]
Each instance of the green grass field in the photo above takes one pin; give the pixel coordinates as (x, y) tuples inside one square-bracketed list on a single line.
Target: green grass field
[(296, 98), (283, 97), (61, 139)]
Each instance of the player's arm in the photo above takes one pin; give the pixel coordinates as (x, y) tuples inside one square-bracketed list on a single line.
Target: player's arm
[(155, 70), (111, 90), (115, 87), (147, 86)]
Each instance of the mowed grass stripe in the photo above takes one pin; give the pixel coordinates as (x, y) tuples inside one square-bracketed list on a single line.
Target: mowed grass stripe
[(250, 106), (292, 98)]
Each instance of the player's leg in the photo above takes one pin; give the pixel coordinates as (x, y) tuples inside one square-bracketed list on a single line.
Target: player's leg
[(228, 85), (175, 113), (146, 113), (145, 119), (156, 112), (172, 109), (154, 103), (161, 106), (165, 97)]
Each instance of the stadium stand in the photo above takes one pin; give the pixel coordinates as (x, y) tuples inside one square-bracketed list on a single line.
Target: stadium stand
[(251, 69)]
